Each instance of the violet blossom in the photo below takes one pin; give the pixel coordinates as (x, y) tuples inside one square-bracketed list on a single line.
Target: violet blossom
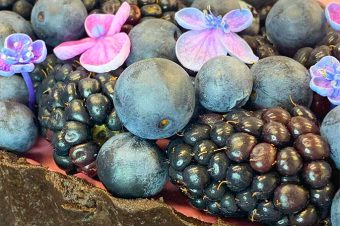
[(333, 15), (326, 79), (19, 55), (210, 36)]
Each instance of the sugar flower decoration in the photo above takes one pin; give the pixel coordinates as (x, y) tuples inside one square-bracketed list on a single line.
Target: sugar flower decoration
[(106, 48), (326, 79), (333, 15), (19, 55), (210, 36)]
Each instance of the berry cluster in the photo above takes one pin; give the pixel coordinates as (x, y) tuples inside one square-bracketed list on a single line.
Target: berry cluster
[(77, 107), (269, 165)]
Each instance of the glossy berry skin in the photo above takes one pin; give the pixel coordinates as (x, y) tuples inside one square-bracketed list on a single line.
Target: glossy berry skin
[(289, 162), (290, 198), (300, 110), (299, 125), (76, 111), (215, 191), (75, 133), (302, 55), (239, 146), (265, 213), (98, 106), (277, 115), (220, 133), (322, 197), (228, 204), (317, 174), (263, 186), (131, 167), (251, 125), (246, 201), (84, 154), (239, 177), (196, 132), (312, 147), (263, 157), (180, 157), (218, 165), (176, 177), (203, 150), (276, 133), (306, 217), (196, 177), (88, 86), (199, 203)]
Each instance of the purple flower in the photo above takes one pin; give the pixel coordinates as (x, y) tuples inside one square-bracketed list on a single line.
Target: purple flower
[(20, 54), (106, 48), (210, 36), (333, 15), (326, 79)]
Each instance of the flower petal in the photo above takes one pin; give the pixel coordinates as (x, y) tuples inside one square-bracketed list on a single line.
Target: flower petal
[(238, 19), (97, 25), (5, 69), (195, 48), (326, 65), (39, 51), (191, 19), (237, 47), (335, 97), (120, 18), (17, 41), (20, 68), (107, 54), (68, 50), (321, 86), (333, 15)]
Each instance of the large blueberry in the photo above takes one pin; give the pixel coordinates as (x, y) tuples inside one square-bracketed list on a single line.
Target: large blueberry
[(154, 98), (153, 38), (11, 22), (131, 167), (219, 7), (223, 83), (295, 24), (18, 129), (13, 89), (335, 213), (330, 130), (276, 80), (57, 21)]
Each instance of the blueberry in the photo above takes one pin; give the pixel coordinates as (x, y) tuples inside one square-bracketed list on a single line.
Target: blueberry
[(223, 83), (18, 129), (58, 21), (335, 212), (154, 98), (12, 22), (330, 130), (219, 7), (131, 167), (153, 38), (13, 89), (278, 78), (293, 25)]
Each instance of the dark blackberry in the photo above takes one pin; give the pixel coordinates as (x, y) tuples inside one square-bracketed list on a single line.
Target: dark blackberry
[(270, 166), (76, 106)]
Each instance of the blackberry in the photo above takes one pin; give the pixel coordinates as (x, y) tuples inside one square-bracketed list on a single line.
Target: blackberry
[(270, 166), (76, 112)]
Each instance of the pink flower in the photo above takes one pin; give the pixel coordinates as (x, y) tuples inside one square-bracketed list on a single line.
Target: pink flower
[(211, 36), (333, 15), (106, 48)]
